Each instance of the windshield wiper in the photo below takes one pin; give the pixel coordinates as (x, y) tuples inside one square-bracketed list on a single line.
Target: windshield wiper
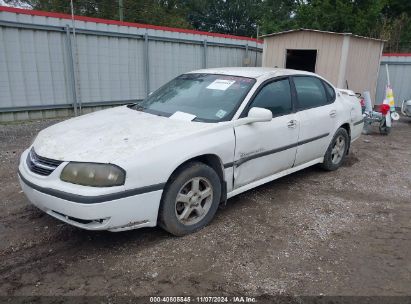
[(138, 107)]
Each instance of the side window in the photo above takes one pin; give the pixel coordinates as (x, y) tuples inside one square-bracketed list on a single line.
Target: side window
[(310, 92), (275, 96), (330, 91)]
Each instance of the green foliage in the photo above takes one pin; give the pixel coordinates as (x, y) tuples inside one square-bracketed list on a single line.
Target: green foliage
[(362, 17), (237, 17), (277, 15), (158, 12), (387, 19)]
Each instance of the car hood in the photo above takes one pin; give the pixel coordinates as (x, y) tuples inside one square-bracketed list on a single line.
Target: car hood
[(110, 135)]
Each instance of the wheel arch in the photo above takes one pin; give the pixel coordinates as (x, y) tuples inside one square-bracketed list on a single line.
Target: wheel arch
[(211, 160)]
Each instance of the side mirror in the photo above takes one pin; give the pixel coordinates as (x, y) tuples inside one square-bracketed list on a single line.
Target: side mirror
[(259, 114), (254, 115)]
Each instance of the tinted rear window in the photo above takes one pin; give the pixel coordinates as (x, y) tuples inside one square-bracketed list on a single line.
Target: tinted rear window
[(331, 92)]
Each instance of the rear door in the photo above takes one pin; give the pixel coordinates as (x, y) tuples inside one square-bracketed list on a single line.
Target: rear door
[(265, 148), (317, 115)]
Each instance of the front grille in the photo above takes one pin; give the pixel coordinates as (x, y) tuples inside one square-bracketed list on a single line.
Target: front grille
[(41, 165)]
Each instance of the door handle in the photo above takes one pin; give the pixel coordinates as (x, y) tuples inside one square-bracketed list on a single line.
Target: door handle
[(292, 123), (333, 113)]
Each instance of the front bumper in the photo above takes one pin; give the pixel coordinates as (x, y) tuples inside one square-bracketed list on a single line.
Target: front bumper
[(109, 211)]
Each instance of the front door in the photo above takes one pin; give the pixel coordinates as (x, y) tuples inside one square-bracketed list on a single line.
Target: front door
[(265, 148)]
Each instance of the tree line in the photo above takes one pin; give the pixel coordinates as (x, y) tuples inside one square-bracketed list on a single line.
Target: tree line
[(385, 19)]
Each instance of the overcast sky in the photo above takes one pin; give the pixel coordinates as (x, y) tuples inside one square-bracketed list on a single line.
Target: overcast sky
[(15, 4)]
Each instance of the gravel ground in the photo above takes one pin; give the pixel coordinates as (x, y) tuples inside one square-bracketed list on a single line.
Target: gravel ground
[(346, 232)]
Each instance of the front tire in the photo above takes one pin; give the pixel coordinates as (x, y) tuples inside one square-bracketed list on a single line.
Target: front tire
[(190, 199), (337, 150)]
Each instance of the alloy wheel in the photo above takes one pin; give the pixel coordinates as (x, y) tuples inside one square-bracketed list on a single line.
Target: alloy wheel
[(338, 150), (194, 200)]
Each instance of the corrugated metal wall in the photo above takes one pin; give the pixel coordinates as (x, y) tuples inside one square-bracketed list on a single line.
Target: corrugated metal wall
[(43, 67), (110, 68), (32, 68), (399, 68), (362, 65)]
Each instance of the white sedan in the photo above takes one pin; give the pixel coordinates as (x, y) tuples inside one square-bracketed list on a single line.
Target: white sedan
[(204, 137)]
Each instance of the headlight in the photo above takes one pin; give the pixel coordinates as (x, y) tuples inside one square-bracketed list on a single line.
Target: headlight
[(94, 175)]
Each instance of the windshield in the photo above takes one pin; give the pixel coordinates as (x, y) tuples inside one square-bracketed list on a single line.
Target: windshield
[(208, 97)]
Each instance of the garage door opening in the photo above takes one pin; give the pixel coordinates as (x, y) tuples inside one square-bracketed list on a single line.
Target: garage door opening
[(301, 60)]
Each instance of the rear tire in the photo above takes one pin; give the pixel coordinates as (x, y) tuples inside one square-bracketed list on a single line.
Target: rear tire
[(337, 150), (190, 199)]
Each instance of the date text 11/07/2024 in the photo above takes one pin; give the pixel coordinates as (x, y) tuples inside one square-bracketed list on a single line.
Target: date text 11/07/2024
[(203, 299)]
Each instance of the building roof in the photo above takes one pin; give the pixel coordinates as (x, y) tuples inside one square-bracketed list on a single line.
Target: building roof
[(318, 31)]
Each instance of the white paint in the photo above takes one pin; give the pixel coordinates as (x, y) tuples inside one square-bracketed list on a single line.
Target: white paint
[(119, 212), (106, 135), (273, 177), (316, 122), (261, 137), (149, 148), (347, 92)]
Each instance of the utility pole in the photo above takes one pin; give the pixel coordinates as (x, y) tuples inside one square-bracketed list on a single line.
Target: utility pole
[(121, 9), (256, 44), (75, 63)]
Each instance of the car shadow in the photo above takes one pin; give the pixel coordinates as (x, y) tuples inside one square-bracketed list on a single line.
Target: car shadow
[(281, 184)]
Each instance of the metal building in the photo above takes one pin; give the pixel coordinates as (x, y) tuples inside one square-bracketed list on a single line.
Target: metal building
[(342, 58), (45, 72), (399, 70)]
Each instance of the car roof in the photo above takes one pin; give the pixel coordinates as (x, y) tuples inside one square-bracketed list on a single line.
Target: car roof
[(251, 72)]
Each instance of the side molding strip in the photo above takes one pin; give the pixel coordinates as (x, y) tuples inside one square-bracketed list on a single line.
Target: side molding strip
[(228, 165), (265, 153), (76, 198), (306, 141)]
